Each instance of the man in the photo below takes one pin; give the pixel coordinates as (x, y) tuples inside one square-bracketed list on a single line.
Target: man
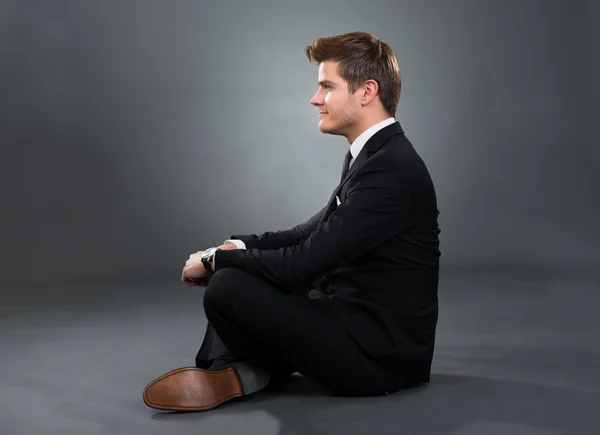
[(348, 298)]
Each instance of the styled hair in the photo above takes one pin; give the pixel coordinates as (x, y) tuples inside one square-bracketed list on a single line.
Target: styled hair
[(361, 56)]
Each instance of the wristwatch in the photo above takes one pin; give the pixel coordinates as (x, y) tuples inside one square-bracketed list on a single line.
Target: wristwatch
[(207, 257)]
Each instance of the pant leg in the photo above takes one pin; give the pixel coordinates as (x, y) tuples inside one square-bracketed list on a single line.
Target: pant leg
[(212, 349), (260, 324), (214, 354)]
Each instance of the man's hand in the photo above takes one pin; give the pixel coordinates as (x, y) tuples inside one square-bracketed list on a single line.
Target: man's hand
[(194, 273)]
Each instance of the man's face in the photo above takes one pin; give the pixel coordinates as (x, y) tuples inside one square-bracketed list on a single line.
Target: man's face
[(339, 110)]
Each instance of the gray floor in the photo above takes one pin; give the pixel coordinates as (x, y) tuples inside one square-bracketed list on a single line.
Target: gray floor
[(516, 354)]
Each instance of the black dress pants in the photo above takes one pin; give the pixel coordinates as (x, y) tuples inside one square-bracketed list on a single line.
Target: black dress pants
[(280, 333)]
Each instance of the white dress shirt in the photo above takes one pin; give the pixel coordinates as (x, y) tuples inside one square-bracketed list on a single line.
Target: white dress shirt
[(355, 149)]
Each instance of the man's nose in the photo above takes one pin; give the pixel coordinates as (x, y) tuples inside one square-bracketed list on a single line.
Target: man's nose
[(316, 100)]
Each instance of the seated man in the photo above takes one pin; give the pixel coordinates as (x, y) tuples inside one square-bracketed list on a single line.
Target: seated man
[(347, 299)]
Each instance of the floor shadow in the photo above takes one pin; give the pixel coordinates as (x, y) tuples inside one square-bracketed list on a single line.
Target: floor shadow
[(450, 404)]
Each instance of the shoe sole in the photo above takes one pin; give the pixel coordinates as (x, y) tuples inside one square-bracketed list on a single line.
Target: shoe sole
[(195, 389)]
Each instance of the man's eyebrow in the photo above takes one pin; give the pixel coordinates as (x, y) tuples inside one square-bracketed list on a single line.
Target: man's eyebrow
[(325, 82)]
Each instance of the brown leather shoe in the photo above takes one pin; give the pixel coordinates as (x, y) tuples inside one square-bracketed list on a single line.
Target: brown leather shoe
[(192, 389)]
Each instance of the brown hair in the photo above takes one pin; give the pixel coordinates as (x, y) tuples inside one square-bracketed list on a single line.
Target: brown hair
[(361, 56)]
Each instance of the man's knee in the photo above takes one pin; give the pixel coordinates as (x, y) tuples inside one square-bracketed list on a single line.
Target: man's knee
[(222, 287)]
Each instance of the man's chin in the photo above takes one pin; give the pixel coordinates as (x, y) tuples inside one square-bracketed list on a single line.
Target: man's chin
[(327, 130)]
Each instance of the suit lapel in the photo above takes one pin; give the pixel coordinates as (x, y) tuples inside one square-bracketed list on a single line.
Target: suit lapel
[(371, 146)]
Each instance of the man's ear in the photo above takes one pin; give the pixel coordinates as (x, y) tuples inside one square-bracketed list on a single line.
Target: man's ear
[(370, 91)]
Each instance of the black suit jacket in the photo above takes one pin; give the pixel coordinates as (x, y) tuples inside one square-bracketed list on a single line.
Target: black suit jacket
[(374, 257)]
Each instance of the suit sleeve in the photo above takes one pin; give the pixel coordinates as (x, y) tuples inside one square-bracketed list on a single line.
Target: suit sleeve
[(375, 210), (279, 239)]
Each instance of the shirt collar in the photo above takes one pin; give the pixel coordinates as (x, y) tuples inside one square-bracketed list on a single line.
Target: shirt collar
[(362, 139)]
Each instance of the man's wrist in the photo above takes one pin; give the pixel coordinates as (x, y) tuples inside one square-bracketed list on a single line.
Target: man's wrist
[(208, 260), (213, 262)]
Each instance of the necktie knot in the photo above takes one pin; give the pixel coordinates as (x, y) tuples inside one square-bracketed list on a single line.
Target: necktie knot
[(346, 165)]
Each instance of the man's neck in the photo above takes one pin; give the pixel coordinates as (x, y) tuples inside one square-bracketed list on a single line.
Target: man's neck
[(364, 126)]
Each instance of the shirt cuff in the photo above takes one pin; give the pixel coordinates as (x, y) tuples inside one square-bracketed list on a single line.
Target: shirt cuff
[(238, 243)]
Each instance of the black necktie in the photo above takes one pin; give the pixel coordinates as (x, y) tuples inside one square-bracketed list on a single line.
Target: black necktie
[(346, 165)]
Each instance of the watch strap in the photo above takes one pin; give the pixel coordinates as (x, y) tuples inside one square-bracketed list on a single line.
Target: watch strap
[(206, 262)]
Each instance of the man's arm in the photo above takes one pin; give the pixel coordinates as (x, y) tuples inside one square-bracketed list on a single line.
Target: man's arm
[(278, 239), (375, 209)]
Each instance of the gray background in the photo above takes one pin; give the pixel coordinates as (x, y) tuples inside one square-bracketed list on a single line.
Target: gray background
[(134, 133)]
